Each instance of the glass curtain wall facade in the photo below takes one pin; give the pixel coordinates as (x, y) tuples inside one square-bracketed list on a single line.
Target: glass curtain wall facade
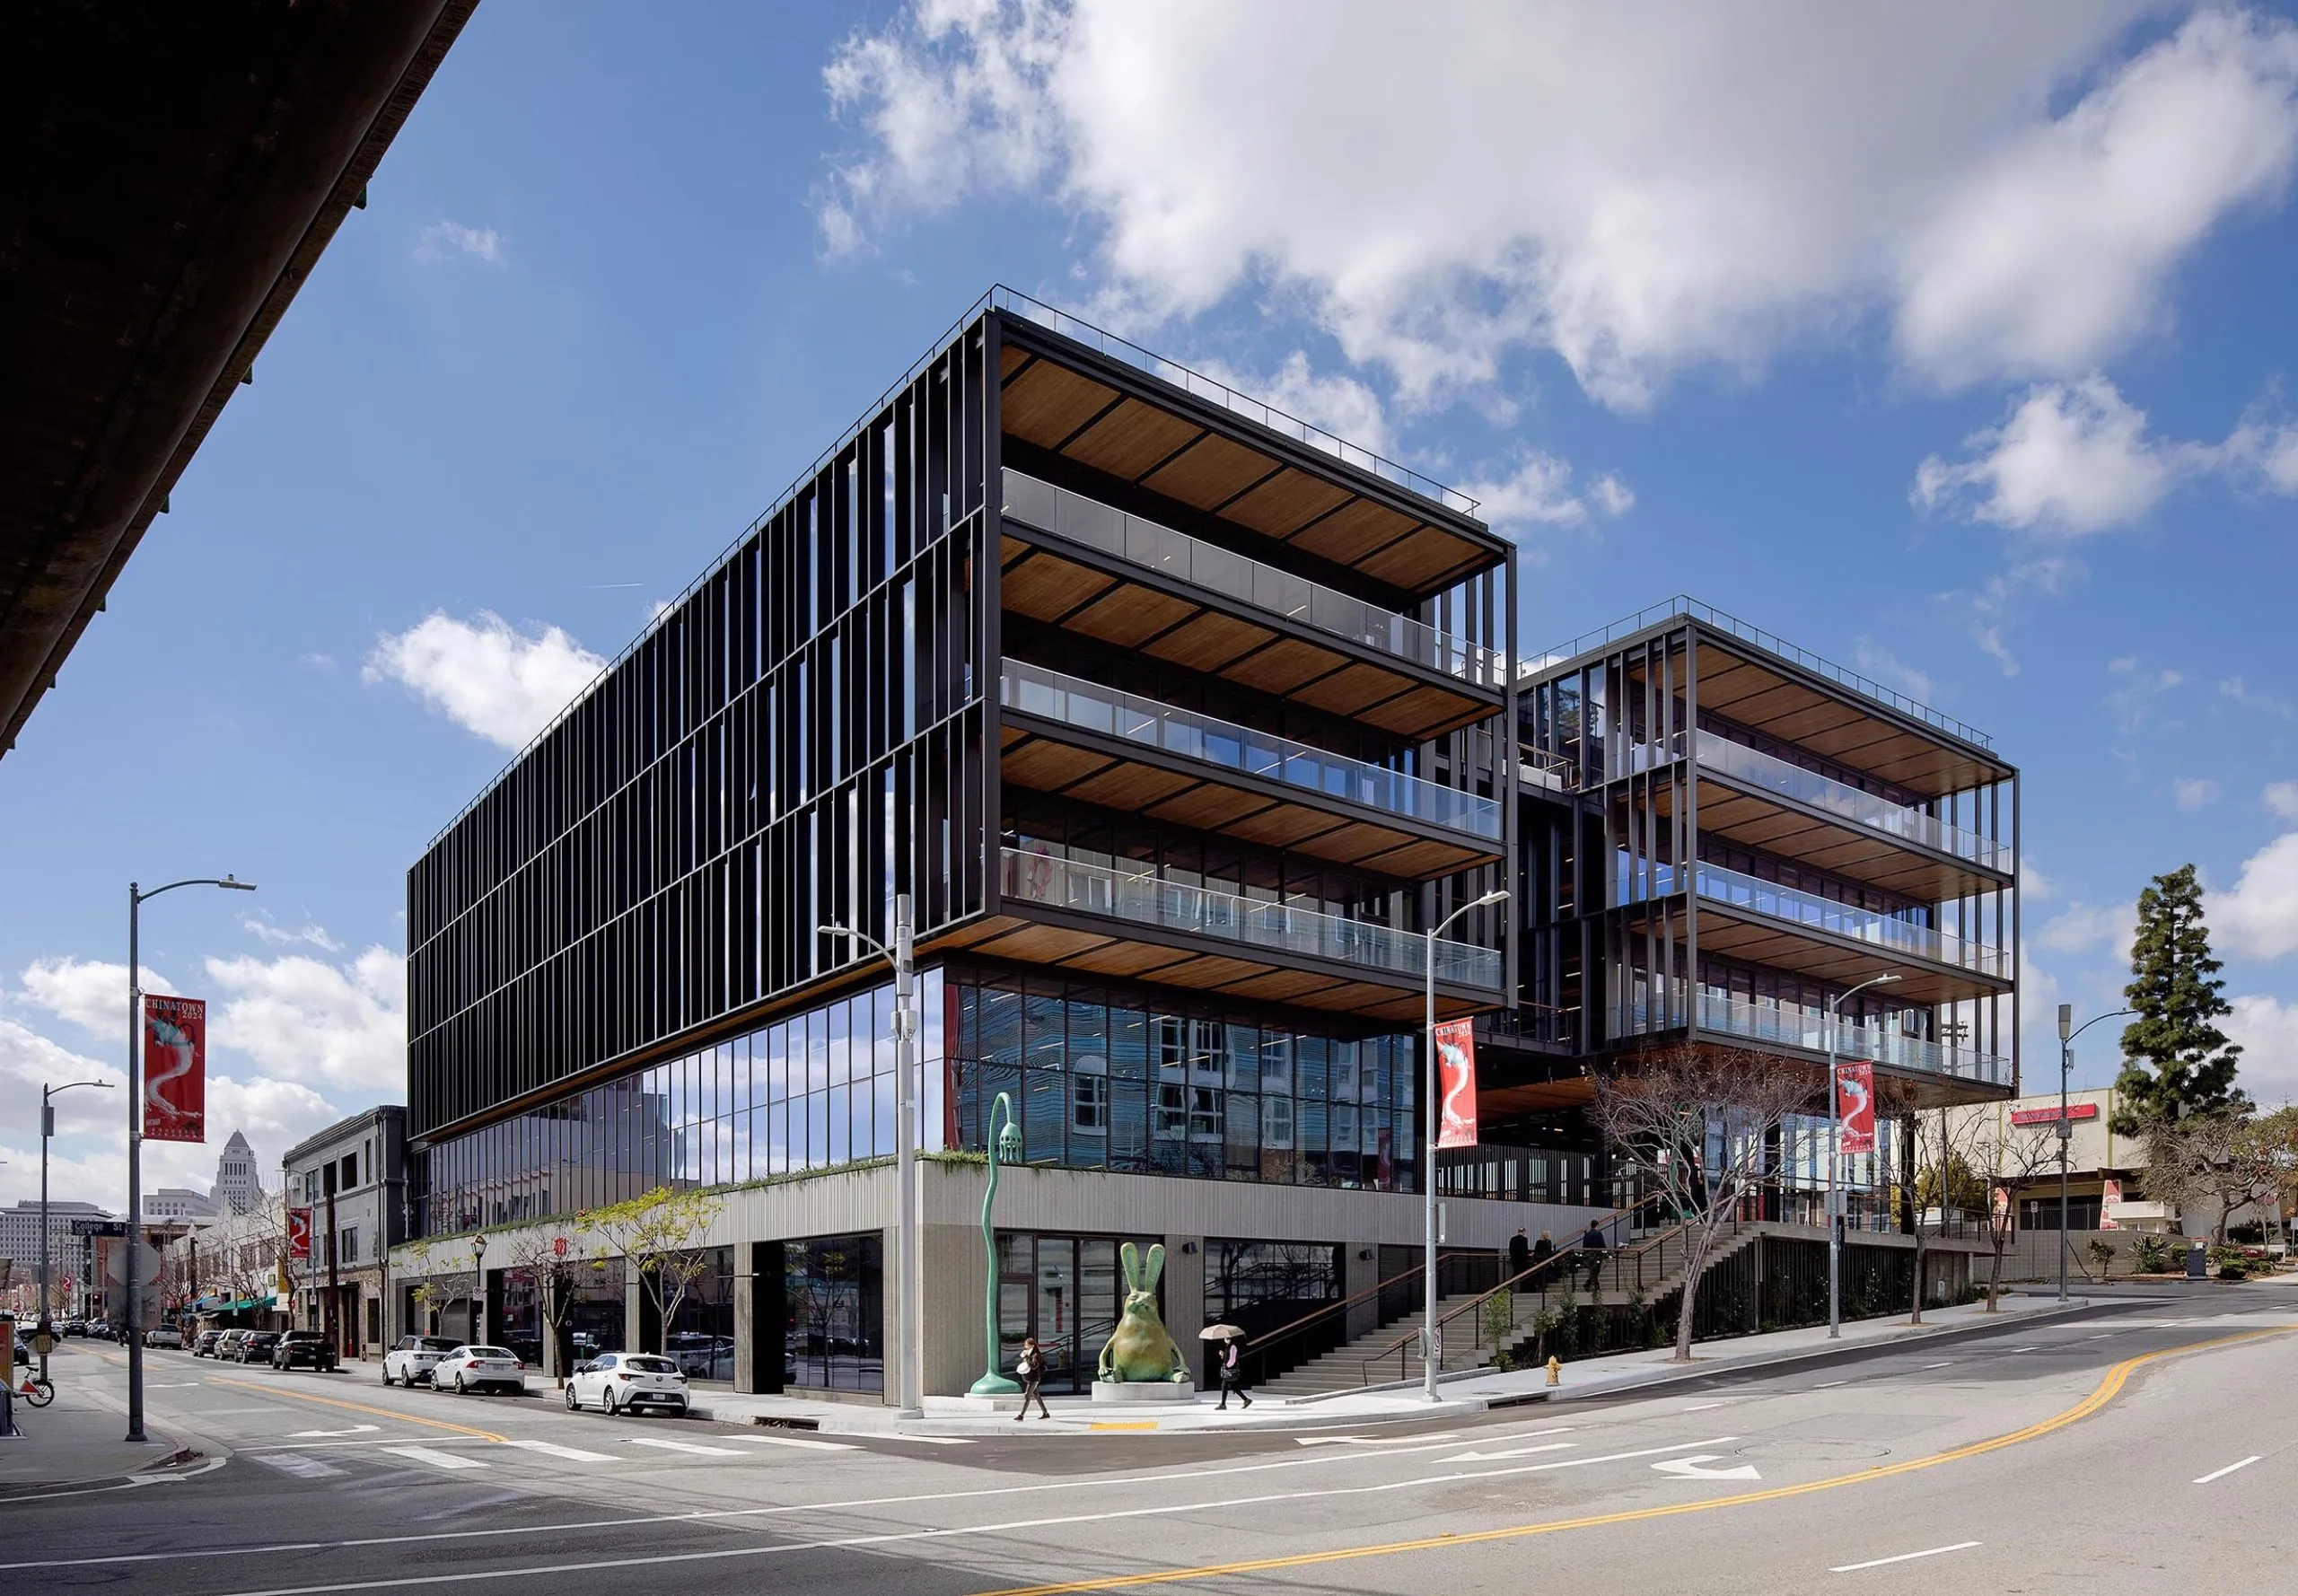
[(833, 1310)]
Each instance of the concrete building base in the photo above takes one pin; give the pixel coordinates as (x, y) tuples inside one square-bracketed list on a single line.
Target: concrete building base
[(1129, 1392), (1012, 1404)]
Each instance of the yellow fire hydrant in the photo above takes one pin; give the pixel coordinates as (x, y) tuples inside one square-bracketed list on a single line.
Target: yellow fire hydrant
[(1556, 1371)]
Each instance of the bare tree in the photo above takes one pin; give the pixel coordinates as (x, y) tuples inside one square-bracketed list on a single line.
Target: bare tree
[(2231, 1157), (438, 1284), (2013, 1155), (1693, 1126)]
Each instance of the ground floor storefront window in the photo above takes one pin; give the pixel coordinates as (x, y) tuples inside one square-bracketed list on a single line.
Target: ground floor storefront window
[(1263, 1286), (1066, 1291), (701, 1340), (833, 1306)]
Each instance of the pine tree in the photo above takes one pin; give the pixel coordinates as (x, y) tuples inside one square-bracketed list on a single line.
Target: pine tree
[(2177, 1063)]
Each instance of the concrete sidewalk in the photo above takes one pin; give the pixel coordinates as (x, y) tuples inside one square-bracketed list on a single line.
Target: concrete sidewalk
[(1467, 1392), (76, 1442)]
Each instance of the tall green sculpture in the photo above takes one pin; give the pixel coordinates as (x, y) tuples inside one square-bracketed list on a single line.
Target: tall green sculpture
[(1005, 1142)]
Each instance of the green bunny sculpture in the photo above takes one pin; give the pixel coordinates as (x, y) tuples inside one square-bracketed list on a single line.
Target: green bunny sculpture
[(1140, 1351)]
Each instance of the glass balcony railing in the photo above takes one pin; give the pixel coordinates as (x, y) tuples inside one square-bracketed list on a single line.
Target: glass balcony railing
[(1796, 1027), (1144, 542), (1775, 774), (1036, 691), (1029, 877), (1741, 891)]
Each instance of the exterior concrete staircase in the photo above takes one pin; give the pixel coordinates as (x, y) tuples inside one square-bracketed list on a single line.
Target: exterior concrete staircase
[(1648, 1269)]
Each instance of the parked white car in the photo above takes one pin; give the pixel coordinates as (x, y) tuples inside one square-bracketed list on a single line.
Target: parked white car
[(467, 1369), (415, 1357), (625, 1381)]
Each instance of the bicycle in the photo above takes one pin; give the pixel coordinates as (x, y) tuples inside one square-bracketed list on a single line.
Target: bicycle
[(37, 1391)]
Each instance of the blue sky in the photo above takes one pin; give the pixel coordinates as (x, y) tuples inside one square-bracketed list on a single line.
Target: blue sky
[(1957, 347)]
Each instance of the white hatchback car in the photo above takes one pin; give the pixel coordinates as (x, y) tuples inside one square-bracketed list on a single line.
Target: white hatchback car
[(414, 1358), (467, 1369), (625, 1381)]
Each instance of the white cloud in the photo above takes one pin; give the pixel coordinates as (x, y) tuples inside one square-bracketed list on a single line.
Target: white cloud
[(1886, 667), (2234, 688), (1339, 404), (2259, 914), (89, 993), (261, 928), (2080, 927), (309, 1020), (2072, 459), (444, 240), (2052, 254), (2281, 798), (2194, 791), (2137, 693), (486, 675), (1535, 489), (1636, 198), (2267, 1029)]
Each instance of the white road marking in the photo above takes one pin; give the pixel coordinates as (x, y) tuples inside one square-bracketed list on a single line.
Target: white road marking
[(2018, 1349), (1689, 1468), (688, 1446), (957, 1531), (323, 1434), (1391, 1440), (2222, 1473), (1941, 1363), (1702, 1407), (1829, 1384), (436, 1460), (930, 1440), (803, 1444), (1960, 1546), (1510, 1451), (300, 1465), (572, 1454)]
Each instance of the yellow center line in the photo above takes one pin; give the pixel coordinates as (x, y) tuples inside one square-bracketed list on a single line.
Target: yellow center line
[(2107, 1390), (405, 1419)]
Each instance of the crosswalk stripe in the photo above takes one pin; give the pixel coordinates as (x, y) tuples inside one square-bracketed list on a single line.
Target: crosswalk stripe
[(708, 1451), (436, 1460), (804, 1445), (930, 1440), (297, 1464), (572, 1454)]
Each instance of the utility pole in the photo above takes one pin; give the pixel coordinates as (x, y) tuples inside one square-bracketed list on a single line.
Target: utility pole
[(2068, 1032)]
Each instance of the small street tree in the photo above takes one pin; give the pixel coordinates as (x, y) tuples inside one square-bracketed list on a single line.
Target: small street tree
[(661, 1232), (555, 1263), (2177, 1061), (438, 1286), (2227, 1159), (2012, 1155), (1692, 1127)]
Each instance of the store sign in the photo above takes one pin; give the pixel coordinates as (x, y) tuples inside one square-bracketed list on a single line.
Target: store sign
[(299, 1233), (2050, 1116), (1854, 1107), (175, 1069), (1456, 1082)]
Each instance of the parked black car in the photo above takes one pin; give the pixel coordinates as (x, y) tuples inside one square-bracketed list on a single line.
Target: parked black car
[(255, 1346), (203, 1346), (303, 1347)]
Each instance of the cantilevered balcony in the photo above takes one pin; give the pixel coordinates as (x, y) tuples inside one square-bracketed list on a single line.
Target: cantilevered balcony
[(1073, 562), (1112, 920), (1122, 752), (1806, 1029)]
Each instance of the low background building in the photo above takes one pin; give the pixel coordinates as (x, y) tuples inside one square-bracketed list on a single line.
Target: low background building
[(352, 1178)]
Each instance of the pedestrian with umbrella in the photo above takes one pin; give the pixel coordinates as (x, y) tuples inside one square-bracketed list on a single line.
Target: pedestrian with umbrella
[(1232, 1370)]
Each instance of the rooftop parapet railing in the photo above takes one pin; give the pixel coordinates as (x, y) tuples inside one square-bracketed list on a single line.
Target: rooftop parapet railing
[(1027, 876), (1770, 643), (1036, 690), (1144, 542)]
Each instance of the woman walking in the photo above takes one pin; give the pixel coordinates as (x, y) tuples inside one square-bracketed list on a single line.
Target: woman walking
[(1232, 1377), (1030, 1367)]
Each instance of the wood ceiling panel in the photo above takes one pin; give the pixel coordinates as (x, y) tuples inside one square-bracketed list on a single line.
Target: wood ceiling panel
[(1211, 641), (1210, 807), (1421, 860), (1281, 505), (1352, 691), (1427, 560), (1049, 589), (1130, 786), (1286, 986), (1425, 707), (1131, 439), (1284, 826), (1212, 969), (1011, 358), (1039, 943), (1354, 530), (1048, 766), (1137, 961), (1283, 666), (1209, 472), (1129, 616), (1045, 403)]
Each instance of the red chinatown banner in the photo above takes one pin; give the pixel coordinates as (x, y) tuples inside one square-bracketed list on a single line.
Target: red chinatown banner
[(1456, 1082), (299, 1235), (1854, 1106), (2109, 1194), (175, 1069)]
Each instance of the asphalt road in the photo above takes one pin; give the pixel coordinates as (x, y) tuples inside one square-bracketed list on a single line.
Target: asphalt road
[(2152, 1447)]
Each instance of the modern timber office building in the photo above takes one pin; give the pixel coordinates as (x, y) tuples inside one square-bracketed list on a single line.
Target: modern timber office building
[(1178, 720)]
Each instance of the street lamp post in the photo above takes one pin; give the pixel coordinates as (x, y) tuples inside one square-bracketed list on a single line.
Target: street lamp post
[(46, 1321), (1834, 1156), (136, 897), (909, 1334), (1429, 1357), (2068, 1032), (478, 1288)]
